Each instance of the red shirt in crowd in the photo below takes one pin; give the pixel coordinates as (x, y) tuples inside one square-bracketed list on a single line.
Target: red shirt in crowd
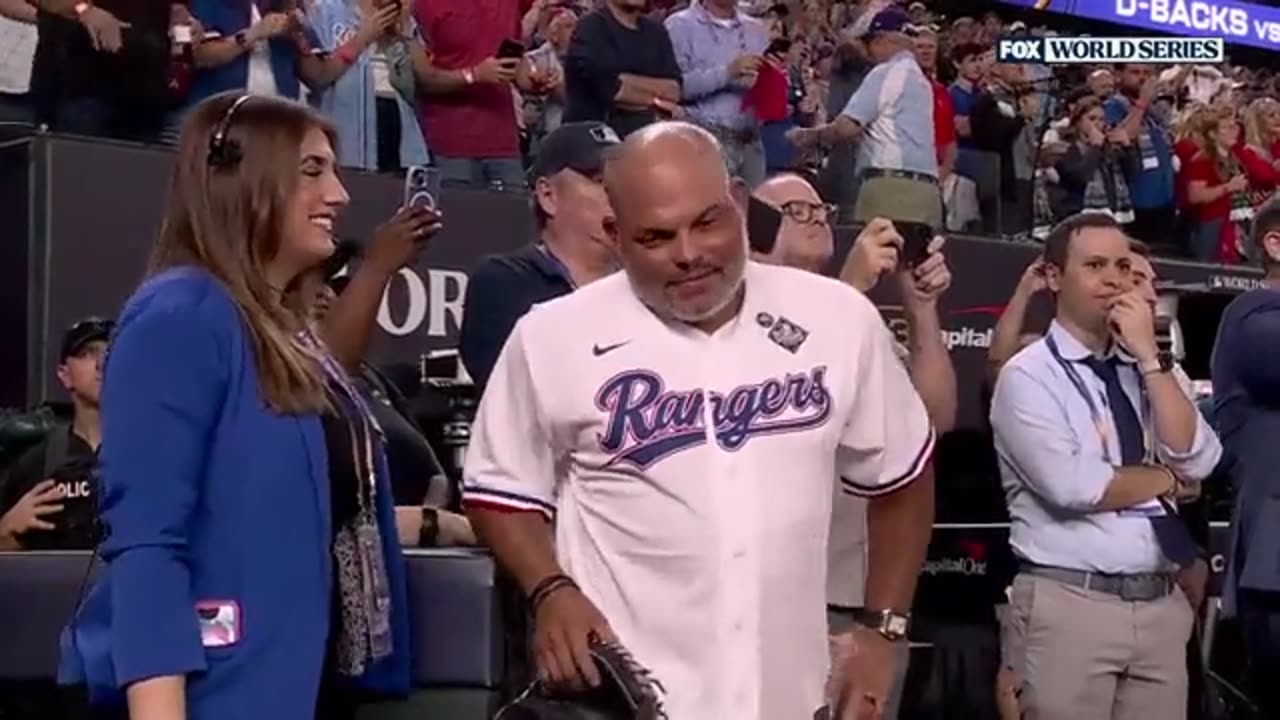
[(477, 121), (944, 119), (1184, 149), (1262, 176)]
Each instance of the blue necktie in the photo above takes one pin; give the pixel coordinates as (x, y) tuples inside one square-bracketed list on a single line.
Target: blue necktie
[(1170, 531)]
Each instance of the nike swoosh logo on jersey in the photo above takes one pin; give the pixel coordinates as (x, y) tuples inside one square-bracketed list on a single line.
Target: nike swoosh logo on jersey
[(599, 350)]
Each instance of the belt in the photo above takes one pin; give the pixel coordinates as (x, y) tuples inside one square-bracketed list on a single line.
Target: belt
[(1140, 587), (901, 174), (738, 135)]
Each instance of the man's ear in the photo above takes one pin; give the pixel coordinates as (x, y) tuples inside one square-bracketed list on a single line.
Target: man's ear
[(741, 194), (64, 376), (545, 196), (611, 232), (1271, 247), (1052, 276)]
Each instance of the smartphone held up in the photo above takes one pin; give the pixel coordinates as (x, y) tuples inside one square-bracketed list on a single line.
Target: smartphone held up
[(421, 188)]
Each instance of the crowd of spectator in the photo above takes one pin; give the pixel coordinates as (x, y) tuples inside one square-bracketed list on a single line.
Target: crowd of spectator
[(1181, 154)]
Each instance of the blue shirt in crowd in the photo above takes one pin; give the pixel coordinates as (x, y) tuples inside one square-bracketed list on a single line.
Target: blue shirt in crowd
[(704, 47), (894, 106), (1151, 181)]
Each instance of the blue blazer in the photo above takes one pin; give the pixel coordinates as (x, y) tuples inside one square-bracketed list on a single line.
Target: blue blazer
[(1246, 395), (210, 496)]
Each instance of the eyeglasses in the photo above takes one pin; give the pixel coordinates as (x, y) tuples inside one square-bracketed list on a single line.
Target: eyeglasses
[(808, 213)]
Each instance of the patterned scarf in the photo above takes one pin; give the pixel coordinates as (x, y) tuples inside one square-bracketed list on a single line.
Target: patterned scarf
[(1112, 198)]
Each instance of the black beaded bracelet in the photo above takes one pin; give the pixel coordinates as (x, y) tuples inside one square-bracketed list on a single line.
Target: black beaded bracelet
[(543, 589)]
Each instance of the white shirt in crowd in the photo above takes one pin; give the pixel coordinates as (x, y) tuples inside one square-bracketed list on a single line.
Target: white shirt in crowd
[(261, 79), (17, 48), (690, 476)]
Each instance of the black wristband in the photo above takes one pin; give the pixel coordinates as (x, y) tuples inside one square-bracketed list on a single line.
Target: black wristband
[(543, 589), (429, 533)]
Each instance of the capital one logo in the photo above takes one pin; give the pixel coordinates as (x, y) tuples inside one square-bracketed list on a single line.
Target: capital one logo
[(411, 302)]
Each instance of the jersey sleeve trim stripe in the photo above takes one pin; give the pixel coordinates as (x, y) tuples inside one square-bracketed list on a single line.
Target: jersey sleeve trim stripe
[(917, 466), (505, 500)]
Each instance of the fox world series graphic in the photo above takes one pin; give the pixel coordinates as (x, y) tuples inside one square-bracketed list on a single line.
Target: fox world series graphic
[(1235, 22)]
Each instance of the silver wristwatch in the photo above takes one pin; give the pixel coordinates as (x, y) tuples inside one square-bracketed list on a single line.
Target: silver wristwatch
[(892, 625)]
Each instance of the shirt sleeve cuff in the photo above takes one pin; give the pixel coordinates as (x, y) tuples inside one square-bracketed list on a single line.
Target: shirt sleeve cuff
[(505, 500), (921, 461)]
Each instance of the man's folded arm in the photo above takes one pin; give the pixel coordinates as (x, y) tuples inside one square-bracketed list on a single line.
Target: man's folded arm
[(1034, 436)]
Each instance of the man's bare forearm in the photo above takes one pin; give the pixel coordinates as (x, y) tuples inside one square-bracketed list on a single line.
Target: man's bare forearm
[(521, 541), (640, 90), (843, 129), (898, 528), (1174, 415), (65, 8), (19, 10), (216, 52), (436, 80), (1008, 330), (1133, 485), (348, 328), (931, 371), (633, 98)]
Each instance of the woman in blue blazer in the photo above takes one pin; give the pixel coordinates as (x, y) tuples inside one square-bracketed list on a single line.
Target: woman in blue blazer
[(251, 562)]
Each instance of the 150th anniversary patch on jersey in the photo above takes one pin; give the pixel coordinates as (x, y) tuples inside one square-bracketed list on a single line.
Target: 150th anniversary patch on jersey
[(646, 423)]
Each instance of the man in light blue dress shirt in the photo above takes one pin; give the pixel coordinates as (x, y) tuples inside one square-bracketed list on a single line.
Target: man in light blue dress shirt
[(1096, 436), (720, 49)]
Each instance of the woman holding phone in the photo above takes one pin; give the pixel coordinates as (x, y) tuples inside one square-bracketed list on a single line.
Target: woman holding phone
[(251, 563), (365, 81)]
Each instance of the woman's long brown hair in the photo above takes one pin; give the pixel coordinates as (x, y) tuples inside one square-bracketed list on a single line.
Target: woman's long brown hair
[(227, 220), (1207, 127)]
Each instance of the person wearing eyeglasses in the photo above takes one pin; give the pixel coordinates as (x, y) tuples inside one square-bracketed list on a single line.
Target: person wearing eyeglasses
[(805, 241), (48, 497)]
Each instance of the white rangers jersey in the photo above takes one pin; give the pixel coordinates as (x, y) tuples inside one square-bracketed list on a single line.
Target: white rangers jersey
[(689, 475), (847, 547)]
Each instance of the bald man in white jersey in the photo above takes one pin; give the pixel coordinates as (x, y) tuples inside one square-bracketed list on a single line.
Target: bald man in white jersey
[(654, 416)]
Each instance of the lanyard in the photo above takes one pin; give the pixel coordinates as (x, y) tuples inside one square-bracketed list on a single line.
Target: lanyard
[(360, 413), (1101, 423), (561, 269)]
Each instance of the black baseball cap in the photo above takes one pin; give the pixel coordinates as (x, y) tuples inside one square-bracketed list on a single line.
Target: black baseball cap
[(79, 335), (578, 146)]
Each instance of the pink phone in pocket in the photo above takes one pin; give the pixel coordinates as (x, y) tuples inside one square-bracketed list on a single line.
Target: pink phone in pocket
[(219, 622)]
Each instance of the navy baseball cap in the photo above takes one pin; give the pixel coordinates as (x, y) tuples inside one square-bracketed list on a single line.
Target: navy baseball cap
[(578, 146), (889, 20), (84, 332)]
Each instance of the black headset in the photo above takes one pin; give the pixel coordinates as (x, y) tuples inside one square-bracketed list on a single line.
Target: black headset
[(225, 153)]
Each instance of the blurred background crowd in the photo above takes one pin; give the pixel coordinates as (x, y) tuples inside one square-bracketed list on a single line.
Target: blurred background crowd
[(1181, 154)]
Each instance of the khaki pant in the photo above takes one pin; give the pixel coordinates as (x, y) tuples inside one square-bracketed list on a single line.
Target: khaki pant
[(1085, 655), (896, 198)]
